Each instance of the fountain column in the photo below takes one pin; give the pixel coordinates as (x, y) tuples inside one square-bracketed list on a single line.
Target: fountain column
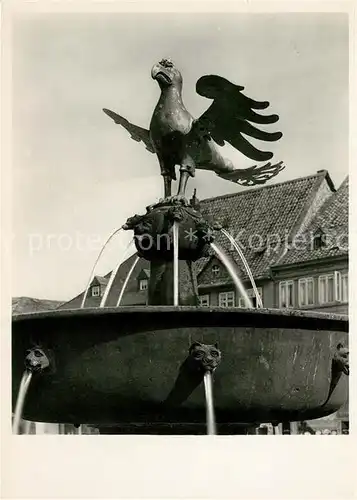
[(161, 284)]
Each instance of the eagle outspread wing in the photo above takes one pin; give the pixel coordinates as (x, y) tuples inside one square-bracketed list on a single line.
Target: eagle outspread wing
[(139, 134), (230, 114)]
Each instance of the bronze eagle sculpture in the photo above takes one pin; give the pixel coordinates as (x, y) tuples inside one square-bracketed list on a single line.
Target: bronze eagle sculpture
[(179, 139)]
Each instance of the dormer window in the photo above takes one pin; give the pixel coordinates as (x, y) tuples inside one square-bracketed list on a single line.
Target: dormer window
[(98, 286), (215, 270), (143, 280), (319, 239), (143, 285)]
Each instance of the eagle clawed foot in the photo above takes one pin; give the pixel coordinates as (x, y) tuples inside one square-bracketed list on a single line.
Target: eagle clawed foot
[(260, 175), (268, 170)]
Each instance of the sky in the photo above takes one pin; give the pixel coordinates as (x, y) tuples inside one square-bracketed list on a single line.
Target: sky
[(76, 176)]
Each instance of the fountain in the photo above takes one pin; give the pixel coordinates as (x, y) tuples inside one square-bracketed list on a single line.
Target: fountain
[(173, 366)]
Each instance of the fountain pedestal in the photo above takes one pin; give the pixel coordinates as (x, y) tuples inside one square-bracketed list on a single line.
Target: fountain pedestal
[(154, 241)]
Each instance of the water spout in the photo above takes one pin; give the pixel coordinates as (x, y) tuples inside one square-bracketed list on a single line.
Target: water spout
[(210, 416), (230, 268), (131, 270), (24, 386), (113, 276), (175, 229), (27, 426), (95, 265), (246, 265)]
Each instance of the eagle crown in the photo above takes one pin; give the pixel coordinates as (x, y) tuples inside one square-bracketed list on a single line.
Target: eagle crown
[(166, 63)]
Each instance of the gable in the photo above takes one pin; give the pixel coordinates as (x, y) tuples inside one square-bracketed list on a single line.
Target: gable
[(144, 274), (214, 272), (95, 282)]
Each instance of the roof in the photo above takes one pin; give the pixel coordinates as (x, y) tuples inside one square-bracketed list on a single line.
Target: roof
[(332, 221), (262, 219), (101, 280), (255, 217)]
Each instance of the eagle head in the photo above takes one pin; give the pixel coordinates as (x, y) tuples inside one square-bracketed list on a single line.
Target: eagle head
[(166, 73)]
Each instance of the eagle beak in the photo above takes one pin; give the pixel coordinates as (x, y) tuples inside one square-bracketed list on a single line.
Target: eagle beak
[(155, 70), (162, 74)]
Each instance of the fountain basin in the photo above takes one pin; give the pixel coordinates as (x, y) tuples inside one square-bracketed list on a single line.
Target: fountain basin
[(119, 365)]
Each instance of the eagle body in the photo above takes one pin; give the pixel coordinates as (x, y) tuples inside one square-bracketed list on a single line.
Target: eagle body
[(179, 139), (170, 115), (169, 127)]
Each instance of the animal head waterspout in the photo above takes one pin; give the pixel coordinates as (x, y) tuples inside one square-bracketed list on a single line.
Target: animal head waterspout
[(206, 357), (341, 359), (36, 360)]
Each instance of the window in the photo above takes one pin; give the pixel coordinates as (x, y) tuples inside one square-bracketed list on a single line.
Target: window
[(344, 288), (286, 294), (337, 285), (333, 288), (95, 291), (319, 240), (252, 296), (143, 284), (226, 299), (306, 292), (329, 288), (215, 270), (204, 300)]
